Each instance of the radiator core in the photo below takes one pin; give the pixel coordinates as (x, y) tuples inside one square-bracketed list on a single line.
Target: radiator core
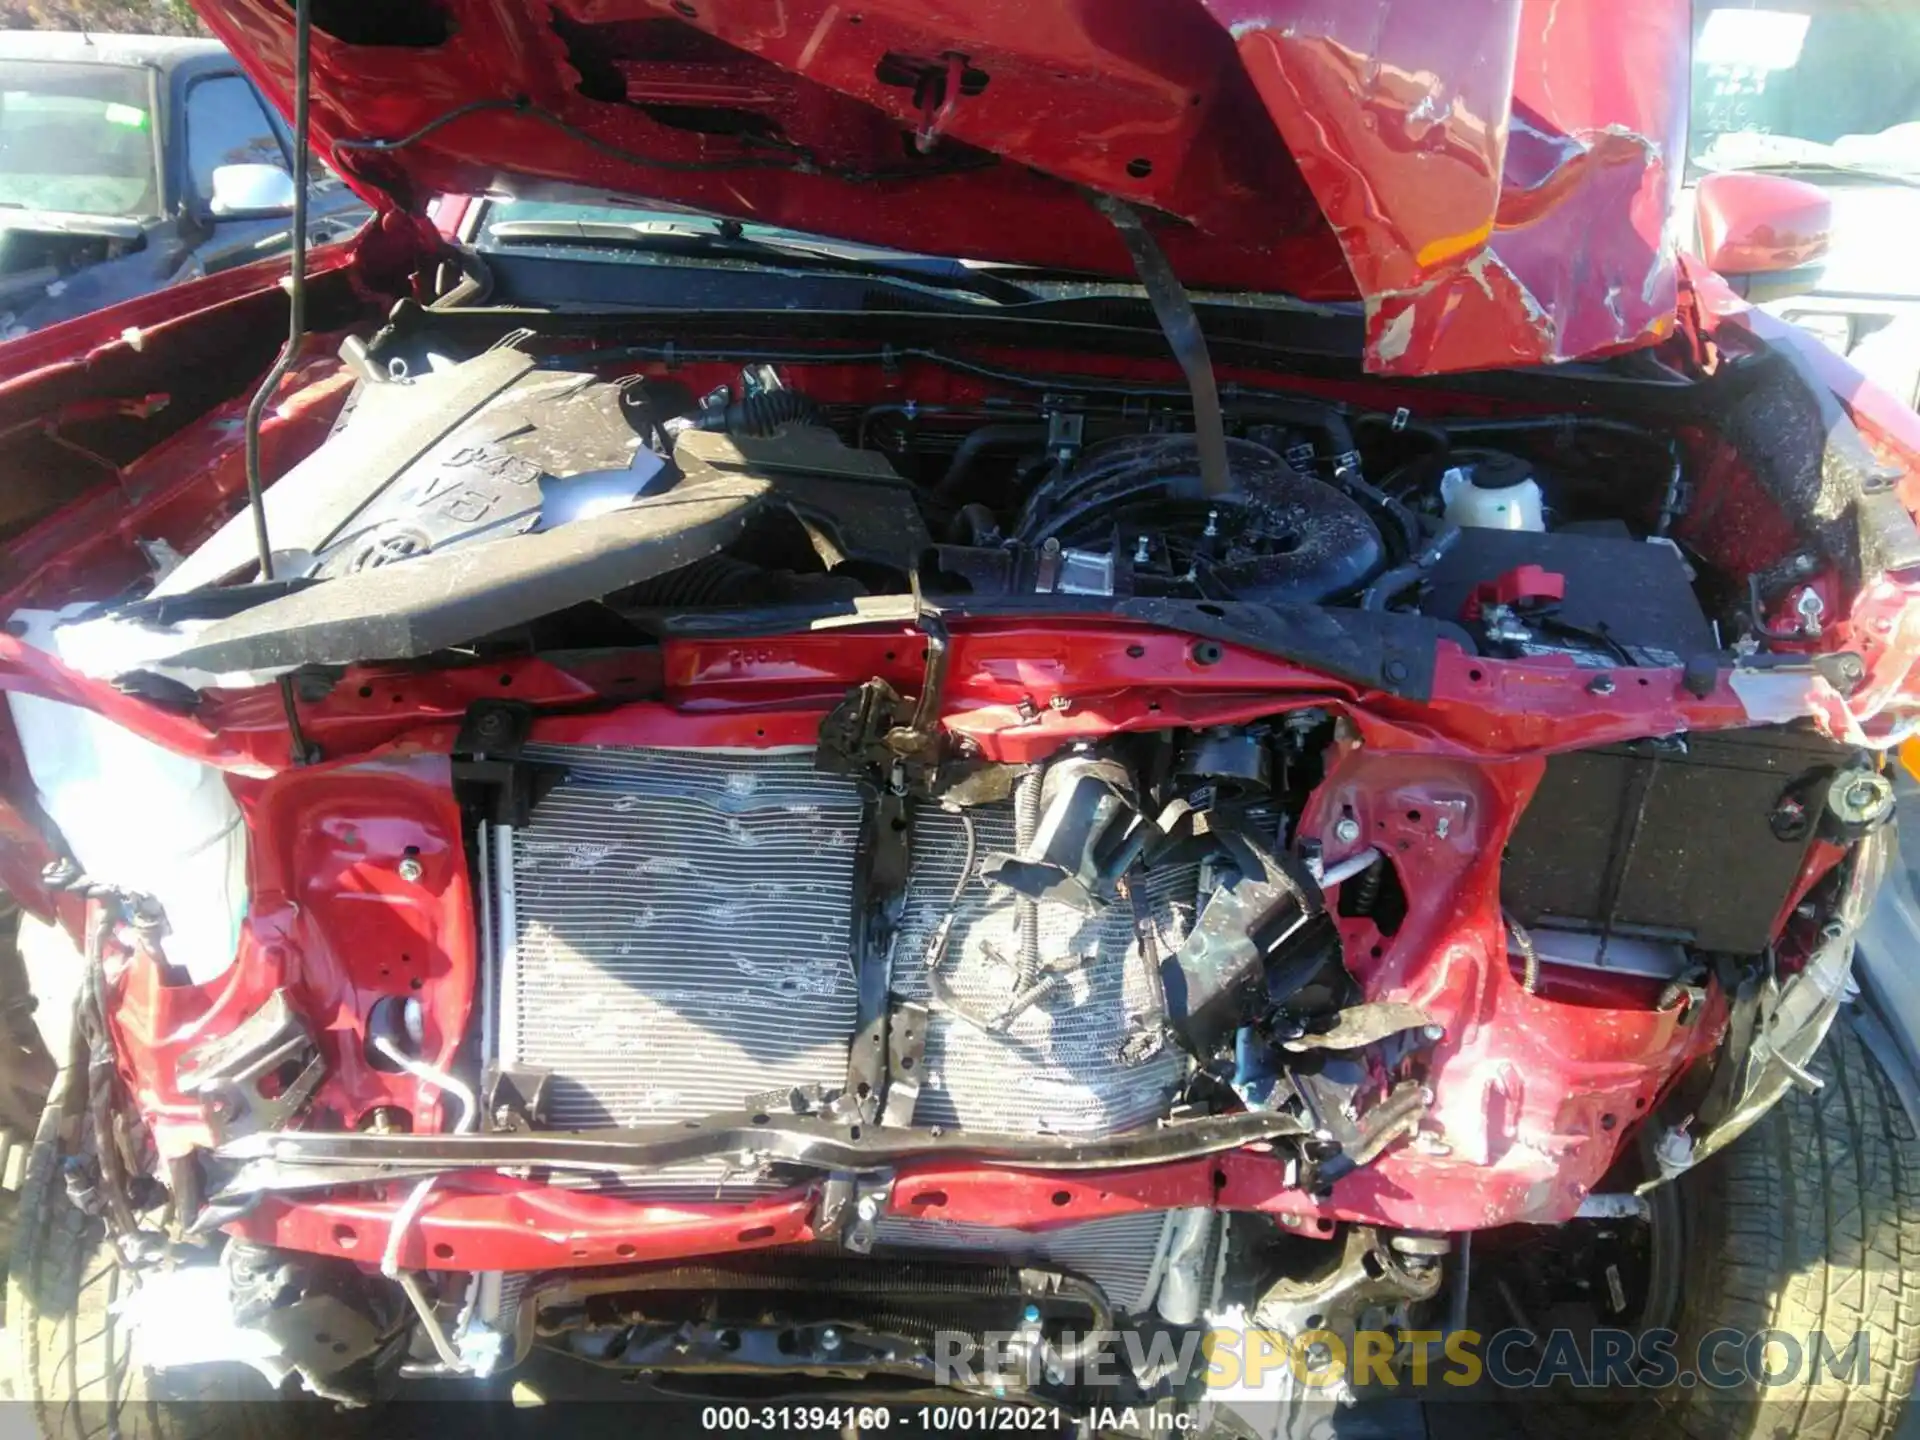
[(675, 933)]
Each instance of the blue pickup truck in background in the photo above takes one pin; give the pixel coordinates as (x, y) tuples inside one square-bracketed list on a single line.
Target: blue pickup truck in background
[(130, 162)]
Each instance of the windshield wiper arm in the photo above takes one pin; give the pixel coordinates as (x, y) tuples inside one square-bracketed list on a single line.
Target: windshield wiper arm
[(1792, 153), (1830, 167), (676, 239)]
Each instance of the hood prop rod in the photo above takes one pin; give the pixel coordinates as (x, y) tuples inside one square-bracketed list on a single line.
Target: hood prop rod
[(303, 753), (1173, 308)]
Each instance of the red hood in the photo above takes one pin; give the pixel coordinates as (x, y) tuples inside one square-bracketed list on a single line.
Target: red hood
[(1492, 178)]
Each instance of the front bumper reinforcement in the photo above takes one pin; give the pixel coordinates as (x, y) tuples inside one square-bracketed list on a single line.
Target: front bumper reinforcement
[(301, 1160)]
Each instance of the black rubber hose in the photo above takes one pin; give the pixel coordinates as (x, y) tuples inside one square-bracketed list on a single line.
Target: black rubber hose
[(758, 416), (1434, 436), (1347, 475), (978, 441), (1279, 410), (1405, 523), (973, 524), (1327, 418), (1387, 587), (1339, 433)]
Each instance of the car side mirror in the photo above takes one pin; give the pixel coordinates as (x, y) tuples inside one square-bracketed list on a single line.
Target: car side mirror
[(251, 192), (1767, 234)]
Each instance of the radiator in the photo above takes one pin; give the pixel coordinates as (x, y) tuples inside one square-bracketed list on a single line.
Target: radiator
[(677, 929), (674, 932)]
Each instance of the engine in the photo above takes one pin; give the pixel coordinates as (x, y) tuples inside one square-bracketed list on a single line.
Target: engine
[(1279, 534)]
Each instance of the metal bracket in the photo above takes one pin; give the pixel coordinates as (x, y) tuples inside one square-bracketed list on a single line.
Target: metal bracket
[(241, 1077), (494, 727), (515, 1097), (1089, 835), (1066, 433), (1368, 1274), (882, 885), (906, 1053), (871, 1194), (864, 736), (813, 1098), (851, 1205), (1358, 1026), (1844, 670), (920, 738), (852, 735), (872, 727), (1147, 1032), (1220, 972), (493, 733), (511, 787)]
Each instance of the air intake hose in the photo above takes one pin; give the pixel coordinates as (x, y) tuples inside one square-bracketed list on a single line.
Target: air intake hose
[(758, 416)]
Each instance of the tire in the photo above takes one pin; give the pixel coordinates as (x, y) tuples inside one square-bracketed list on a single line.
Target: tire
[(1809, 1223), (68, 1356)]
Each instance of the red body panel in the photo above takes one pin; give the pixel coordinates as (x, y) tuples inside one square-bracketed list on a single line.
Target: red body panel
[(332, 924), (1492, 179), (1531, 1089)]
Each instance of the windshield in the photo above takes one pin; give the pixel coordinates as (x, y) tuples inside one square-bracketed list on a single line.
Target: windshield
[(77, 138), (1791, 84)]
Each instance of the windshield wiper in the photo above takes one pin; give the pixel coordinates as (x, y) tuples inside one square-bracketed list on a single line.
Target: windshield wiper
[(1827, 167), (1790, 154), (691, 241)]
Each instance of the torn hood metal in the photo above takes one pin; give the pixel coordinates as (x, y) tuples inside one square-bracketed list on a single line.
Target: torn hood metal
[(1491, 179)]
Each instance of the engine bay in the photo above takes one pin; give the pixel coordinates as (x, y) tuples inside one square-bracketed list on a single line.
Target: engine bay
[(1506, 551), (750, 812), (1292, 750)]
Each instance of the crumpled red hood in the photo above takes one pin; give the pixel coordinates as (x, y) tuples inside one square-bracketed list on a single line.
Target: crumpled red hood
[(1492, 178)]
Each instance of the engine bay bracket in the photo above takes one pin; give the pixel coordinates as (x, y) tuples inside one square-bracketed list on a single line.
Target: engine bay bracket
[(226, 1073)]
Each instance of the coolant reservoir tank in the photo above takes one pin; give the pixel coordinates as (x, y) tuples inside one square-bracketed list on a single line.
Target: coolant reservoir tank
[(1494, 492)]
